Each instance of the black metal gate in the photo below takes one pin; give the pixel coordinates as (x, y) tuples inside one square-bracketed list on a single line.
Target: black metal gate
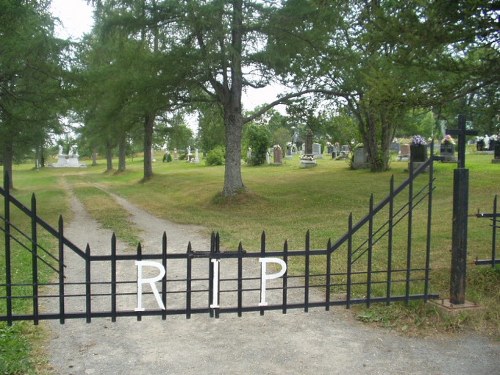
[(364, 266)]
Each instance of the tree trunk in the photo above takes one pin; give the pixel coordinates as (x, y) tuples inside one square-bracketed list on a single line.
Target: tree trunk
[(94, 157), (233, 119), (233, 182), (109, 158), (37, 157), (388, 130), (42, 157), (148, 144), (7, 162), (377, 149), (122, 148), (369, 121)]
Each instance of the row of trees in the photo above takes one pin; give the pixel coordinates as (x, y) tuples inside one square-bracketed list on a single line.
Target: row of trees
[(373, 61), (32, 78)]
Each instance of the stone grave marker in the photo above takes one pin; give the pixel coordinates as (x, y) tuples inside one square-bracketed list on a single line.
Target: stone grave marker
[(447, 150), (277, 155), (307, 160), (360, 158), (316, 151), (496, 152), (404, 152)]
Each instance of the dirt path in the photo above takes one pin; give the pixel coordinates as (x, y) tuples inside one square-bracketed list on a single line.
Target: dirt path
[(318, 342)]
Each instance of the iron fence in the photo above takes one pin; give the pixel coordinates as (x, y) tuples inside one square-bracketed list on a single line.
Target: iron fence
[(493, 216), (363, 266)]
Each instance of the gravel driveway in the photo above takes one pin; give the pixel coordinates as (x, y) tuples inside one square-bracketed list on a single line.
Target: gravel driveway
[(318, 342)]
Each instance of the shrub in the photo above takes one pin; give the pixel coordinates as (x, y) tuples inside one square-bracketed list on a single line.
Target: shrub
[(216, 156), (259, 139)]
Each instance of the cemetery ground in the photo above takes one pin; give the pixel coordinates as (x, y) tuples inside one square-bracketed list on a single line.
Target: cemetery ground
[(285, 201)]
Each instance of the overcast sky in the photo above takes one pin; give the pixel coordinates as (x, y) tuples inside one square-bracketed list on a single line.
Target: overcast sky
[(75, 16)]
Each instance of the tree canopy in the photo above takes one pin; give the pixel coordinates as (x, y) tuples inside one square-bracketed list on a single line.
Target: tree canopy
[(31, 78), (378, 64)]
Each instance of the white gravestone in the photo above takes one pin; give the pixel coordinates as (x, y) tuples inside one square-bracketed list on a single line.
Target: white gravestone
[(316, 151)]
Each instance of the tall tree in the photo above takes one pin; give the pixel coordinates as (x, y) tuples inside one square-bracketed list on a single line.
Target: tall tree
[(138, 78), (384, 57), (31, 78), (217, 48)]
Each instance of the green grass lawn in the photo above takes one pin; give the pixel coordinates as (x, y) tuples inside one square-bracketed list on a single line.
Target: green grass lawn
[(286, 201)]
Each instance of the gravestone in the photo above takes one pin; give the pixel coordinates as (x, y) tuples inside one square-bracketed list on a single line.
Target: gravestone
[(307, 160), (68, 161), (404, 152), (329, 148), (316, 151), (479, 143), (196, 156), (447, 151), (309, 143), (336, 150), (496, 152), (418, 156), (343, 151), (360, 158), (277, 155)]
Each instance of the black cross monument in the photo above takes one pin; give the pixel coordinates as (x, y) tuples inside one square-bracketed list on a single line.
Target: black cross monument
[(460, 212)]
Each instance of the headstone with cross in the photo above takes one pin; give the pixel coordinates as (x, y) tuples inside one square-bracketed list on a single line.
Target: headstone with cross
[(460, 214)]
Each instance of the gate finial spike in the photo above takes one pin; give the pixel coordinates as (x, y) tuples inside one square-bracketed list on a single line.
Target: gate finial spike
[(139, 249)]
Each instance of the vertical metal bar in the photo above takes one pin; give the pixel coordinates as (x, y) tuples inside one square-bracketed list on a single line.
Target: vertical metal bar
[(139, 258), (262, 254), (285, 278), (306, 272), (240, 279), (34, 259), (217, 250), (88, 288), (189, 258), (211, 275), (390, 241), (494, 235), (61, 271), (113, 277), (349, 262), (164, 280), (370, 255), (8, 271), (409, 242), (328, 281), (429, 227)]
